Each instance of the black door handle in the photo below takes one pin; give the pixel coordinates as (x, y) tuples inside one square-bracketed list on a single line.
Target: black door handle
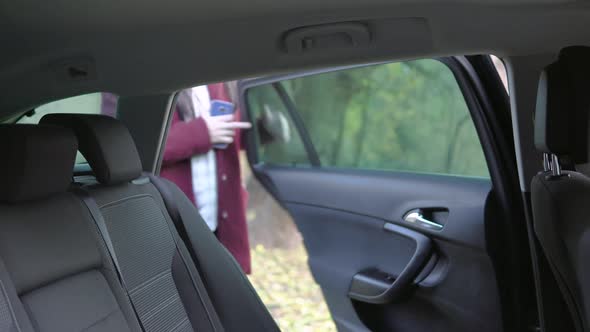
[(374, 286)]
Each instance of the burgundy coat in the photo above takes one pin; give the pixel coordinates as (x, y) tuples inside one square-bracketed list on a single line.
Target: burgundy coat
[(186, 139)]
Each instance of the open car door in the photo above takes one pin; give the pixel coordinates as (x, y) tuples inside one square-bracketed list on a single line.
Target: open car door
[(399, 203)]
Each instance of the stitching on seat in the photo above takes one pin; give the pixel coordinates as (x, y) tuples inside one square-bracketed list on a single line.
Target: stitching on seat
[(165, 304), (101, 319), (150, 281), (182, 323), (129, 198)]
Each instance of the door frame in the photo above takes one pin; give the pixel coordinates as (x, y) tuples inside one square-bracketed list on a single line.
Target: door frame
[(489, 106)]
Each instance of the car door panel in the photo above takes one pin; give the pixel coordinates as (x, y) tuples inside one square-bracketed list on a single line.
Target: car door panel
[(341, 216), (391, 250), (389, 196)]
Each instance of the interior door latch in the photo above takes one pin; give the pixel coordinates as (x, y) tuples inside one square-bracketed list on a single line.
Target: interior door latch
[(418, 217)]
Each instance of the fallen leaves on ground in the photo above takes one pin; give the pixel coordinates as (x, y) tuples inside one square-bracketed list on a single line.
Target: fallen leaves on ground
[(285, 284)]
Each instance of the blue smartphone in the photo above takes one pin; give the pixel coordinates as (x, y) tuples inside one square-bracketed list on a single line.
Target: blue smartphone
[(220, 107)]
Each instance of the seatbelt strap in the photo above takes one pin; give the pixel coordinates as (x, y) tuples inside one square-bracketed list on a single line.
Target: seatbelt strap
[(104, 233), (179, 224)]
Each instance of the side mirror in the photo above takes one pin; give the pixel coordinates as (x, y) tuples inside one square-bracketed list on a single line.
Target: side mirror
[(273, 126)]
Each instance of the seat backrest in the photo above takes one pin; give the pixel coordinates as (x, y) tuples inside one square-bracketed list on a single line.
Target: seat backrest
[(55, 274), (167, 285), (561, 199)]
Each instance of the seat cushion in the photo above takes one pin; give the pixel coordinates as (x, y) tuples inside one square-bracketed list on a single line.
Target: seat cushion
[(82, 302), (58, 241), (55, 274), (560, 214), (145, 246), (59, 267), (168, 286)]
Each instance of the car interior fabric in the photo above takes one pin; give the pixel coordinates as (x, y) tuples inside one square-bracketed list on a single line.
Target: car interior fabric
[(13, 317), (44, 45), (560, 199), (23, 148), (55, 272), (106, 145), (167, 287), (222, 272)]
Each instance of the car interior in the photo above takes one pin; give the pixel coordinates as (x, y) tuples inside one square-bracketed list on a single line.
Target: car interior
[(433, 156)]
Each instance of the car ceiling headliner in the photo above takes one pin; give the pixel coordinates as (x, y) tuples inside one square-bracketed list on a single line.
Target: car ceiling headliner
[(141, 47)]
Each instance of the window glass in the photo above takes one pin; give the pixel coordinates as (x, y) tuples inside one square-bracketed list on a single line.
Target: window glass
[(275, 124), (93, 103), (407, 116)]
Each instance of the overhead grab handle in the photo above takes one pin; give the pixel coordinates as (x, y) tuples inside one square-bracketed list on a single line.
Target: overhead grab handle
[(326, 37)]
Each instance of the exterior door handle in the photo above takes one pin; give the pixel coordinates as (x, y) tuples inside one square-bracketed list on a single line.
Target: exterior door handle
[(416, 217)]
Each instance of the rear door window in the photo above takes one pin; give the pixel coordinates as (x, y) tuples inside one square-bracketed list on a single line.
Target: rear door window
[(93, 103), (407, 116)]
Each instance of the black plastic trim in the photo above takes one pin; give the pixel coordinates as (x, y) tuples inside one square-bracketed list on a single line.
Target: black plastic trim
[(405, 279), (507, 236)]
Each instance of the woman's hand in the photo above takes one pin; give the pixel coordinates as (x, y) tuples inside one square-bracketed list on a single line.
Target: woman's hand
[(222, 128)]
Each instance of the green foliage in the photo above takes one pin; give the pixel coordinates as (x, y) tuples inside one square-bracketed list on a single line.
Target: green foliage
[(408, 116), (291, 152)]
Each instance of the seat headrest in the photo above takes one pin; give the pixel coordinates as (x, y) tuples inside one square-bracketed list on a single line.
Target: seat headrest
[(563, 105), (106, 144), (37, 161)]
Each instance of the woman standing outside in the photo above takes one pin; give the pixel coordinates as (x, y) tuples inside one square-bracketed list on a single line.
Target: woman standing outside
[(209, 175)]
